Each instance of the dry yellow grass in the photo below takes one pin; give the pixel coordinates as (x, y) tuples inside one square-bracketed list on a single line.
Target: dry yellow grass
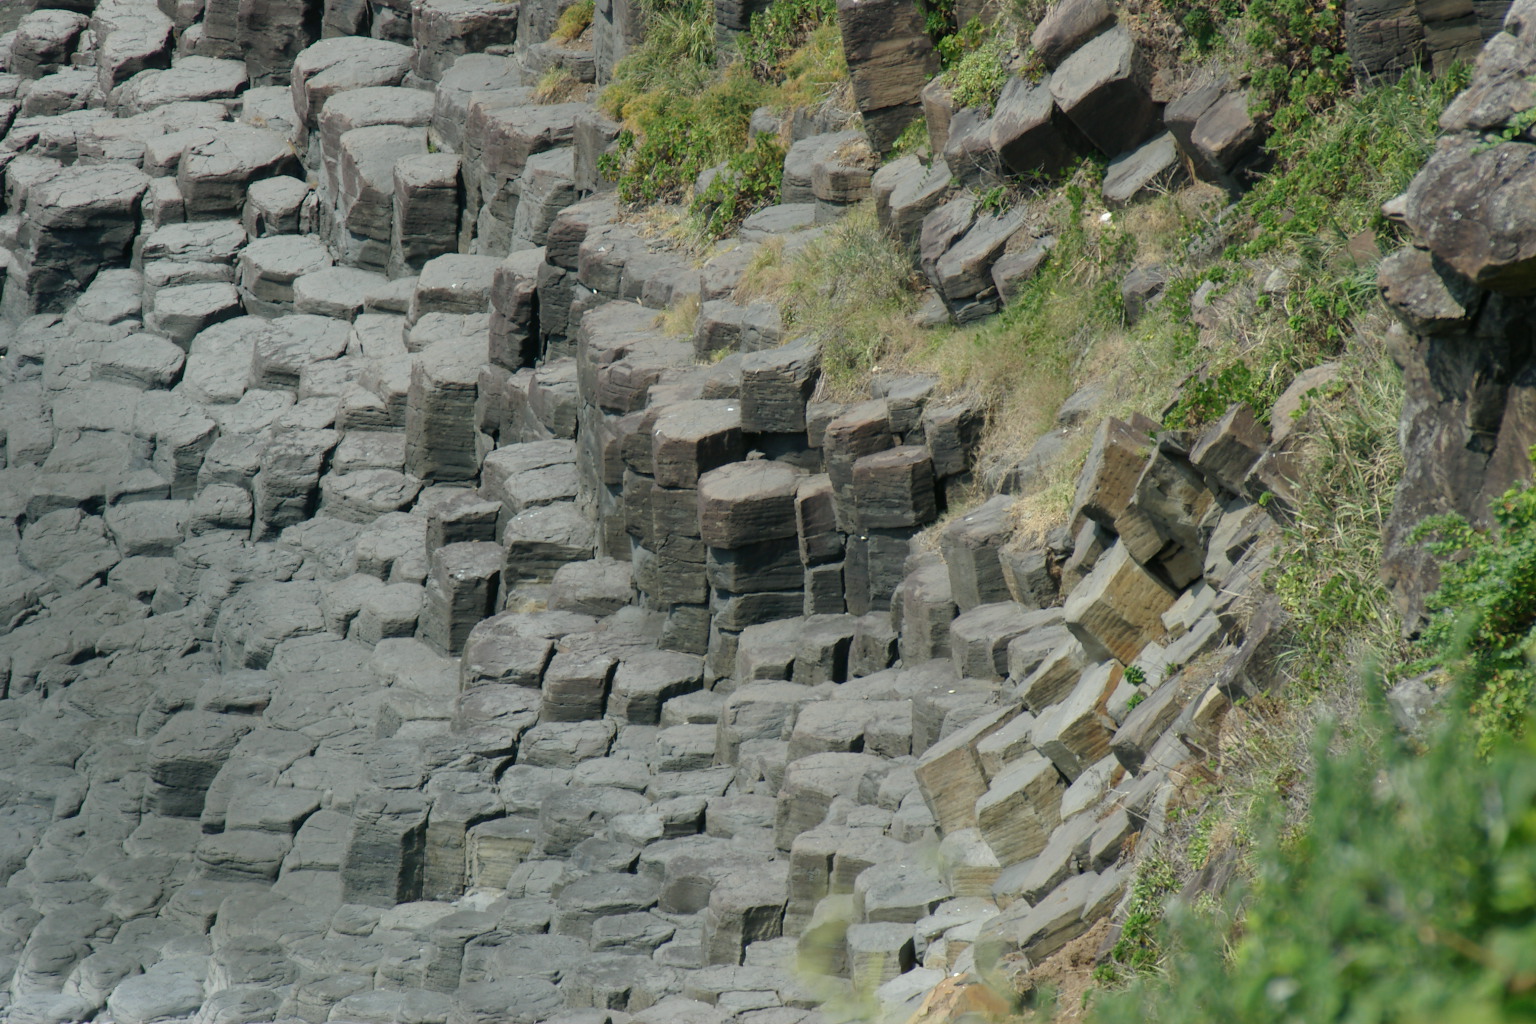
[(557, 85), (678, 319)]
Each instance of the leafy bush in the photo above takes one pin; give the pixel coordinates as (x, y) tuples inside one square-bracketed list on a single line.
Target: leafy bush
[(976, 75), (677, 136), (1206, 398), (1303, 66), (682, 113), (938, 19), (1139, 946), (1409, 899), (1483, 630), (780, 30), (1330, 177), (749, 182)]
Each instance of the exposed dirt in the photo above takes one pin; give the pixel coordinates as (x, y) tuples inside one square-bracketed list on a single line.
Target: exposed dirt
[(1069, 973)]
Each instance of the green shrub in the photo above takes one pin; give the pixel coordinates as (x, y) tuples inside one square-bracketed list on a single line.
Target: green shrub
[(682, 114), (913, 139), (672, 137), (1303, 66), (1407, 899), (749, 182), (1139, 946), (1205, 399), (1323, 199), (976, 75), (1483, 630), (938, 19), (779, 31)]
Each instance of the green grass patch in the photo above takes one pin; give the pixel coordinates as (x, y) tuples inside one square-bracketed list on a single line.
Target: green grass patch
[(574, 20), (975, 73), (685, 110), (852, 288)]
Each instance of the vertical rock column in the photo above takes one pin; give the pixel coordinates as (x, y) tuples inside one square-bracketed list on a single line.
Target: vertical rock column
[(269, 34), (890, 59), (71, 227), (747, 522), (385, 857), (873, 563), (461, 590), (440, 412), (685, 440)]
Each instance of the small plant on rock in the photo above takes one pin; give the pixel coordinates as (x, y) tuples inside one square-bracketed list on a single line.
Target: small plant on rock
[(1484, 626)]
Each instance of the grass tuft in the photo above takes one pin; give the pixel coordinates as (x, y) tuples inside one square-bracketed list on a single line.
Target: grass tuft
[(574, 21)]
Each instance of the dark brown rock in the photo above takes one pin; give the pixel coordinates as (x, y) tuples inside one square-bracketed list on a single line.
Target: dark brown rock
[(1471, 205), (890, 58), (746, 503), (1105, 89), (894, 488)]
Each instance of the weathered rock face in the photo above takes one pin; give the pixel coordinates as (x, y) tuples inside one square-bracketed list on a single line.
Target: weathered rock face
[(1387, 37), (1464, 297), (890, 58)]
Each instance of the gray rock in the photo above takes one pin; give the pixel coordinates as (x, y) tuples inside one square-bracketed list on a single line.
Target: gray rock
[(152, 997), (444, 30)]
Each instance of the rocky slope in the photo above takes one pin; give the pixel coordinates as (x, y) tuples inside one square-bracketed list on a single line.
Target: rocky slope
[(396, 629)]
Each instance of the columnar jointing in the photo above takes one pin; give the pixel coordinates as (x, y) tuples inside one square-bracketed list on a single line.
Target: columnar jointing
[(399, 624)]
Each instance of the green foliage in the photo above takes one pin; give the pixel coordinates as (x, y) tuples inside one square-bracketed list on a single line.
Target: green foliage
[(1322, 204), (846, 287), (976, 74), (1139, 947), (1331, 176), (1303, 67), (1408, 898), (1201, 28), (1135, 701), (749, 182), (1522, 122), (1205, 24), (677, 54), (682, 114), (1135, 675), (676, 136), (1330, 579), (1206, 398), (913, 139), (938, 19), (574, 20), (998, 199), (1483, 630), (777, 32)]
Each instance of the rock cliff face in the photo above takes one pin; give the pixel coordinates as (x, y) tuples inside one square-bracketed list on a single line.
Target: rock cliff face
[(1463, 293), (398, 624)]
